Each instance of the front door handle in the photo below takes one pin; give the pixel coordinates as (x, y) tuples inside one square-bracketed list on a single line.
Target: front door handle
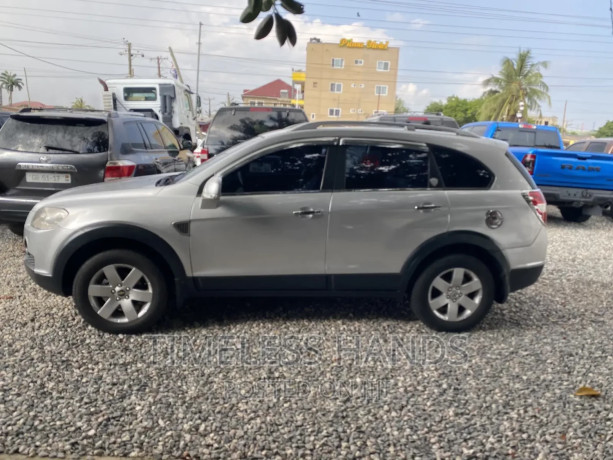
[(308, 212), (426, 206)]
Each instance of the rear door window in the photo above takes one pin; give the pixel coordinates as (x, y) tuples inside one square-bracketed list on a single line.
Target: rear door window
[(55, 135), (577, 146), (520, 137), (229, 127), (168, 139), (134, 136), (386, 167), (478, 130), (596, 147), (153, 136), (459, 170)]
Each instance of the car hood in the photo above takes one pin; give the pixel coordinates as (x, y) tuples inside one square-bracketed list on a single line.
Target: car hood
[(121, 185)]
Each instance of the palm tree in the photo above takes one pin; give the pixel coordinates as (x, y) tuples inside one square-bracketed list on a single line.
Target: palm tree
[(10, 82), (519, 80), (79, 103)]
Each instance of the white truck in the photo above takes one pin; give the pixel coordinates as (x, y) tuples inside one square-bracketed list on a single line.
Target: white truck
[(164, 99)]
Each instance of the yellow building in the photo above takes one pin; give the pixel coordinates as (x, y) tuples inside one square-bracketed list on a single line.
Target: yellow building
[(349, 80)]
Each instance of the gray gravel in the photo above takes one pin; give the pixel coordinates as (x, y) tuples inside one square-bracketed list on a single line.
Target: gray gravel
[(283, 378)]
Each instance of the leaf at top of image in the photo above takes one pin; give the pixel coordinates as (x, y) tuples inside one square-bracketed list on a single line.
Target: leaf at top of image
[(587, 391)]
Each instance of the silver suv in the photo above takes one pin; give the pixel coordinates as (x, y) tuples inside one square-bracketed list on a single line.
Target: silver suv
[(450, 220)]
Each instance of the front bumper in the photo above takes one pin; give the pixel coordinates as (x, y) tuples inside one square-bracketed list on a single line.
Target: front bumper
[(49, 283)]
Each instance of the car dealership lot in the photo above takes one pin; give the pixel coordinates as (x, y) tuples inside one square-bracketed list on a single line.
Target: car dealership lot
[(318, 378)]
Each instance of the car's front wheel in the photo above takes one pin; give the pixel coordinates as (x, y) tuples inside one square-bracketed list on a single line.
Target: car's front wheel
[(453, 294), (120, 291)]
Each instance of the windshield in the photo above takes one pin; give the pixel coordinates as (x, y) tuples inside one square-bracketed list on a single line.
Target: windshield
[(54, 135), (517, 137), (229, 127)]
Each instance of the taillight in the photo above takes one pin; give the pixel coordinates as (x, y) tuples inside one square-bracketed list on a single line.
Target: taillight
[(537, 202), (118, 170), (528, 161), (526, 126), (201, 155)]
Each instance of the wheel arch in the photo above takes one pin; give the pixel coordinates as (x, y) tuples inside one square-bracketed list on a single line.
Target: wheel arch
[(94, 240), (459, 242)]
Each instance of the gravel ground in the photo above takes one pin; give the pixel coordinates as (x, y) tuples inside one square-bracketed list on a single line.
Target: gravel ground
[(318, 379)]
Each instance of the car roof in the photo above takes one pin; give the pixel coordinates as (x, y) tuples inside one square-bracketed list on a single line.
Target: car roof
[(76, 113), (257, 108), (509, 124)]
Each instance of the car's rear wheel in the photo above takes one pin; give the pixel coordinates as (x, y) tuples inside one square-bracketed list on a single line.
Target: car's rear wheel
[(120, 291), (573, 214), (17, 229), (453, 294)]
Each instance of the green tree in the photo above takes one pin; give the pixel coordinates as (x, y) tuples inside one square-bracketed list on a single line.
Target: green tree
[(463, 110), (79, 103), (519, 80), (605, 130), (399, 106), (10, 82)]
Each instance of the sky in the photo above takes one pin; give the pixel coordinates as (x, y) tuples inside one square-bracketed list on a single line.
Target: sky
[(446, 47)]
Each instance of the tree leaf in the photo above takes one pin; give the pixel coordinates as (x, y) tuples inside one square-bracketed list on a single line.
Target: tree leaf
[(267, 4), (264, 27), (291, 32), (280, 29), (293, 6), (251, 12), (587, 391)]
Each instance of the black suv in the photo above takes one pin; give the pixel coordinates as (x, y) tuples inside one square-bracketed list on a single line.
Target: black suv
[(434, 119), (43, 152), (235, 124)]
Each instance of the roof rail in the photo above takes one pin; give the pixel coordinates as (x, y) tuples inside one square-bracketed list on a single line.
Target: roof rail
[(56, 109), (376, 124)]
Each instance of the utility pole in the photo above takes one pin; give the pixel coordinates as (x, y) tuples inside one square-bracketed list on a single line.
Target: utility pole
[(27, 86), (564, 118), (159, 60), (198, 65), (130, 55)]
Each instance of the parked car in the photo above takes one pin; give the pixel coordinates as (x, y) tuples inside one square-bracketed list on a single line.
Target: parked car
[(578, 182), (235, 124), (3, 117), (339, 209), (434, 119), (43, 152), (600, 145)]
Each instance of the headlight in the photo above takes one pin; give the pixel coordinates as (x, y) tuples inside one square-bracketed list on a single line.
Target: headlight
[(48, 218)]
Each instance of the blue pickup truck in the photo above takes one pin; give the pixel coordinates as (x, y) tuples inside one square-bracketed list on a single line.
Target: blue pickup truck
[(579, 183)]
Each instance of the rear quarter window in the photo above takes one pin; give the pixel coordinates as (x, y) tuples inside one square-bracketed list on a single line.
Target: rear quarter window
[(461, 171)]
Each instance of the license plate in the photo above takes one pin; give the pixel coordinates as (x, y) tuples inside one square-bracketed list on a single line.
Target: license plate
[(578, 193), (48, 178)]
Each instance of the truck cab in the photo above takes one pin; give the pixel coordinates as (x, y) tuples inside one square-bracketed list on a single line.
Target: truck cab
[(164, 99)]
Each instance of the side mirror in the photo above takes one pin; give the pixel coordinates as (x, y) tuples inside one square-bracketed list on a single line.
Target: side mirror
[(186, 144), (211, 193), (173, 152), (198, 102)]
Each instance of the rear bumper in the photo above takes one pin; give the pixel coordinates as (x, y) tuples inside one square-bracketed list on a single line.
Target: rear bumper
[(16, 209), (520, 278), (582, 196)]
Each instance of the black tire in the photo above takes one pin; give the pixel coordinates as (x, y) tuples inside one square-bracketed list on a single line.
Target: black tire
[(573, 214), (424, 291), (151, 285), (16, 229)]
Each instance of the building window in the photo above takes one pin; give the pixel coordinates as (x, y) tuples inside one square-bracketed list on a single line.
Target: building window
[(312, 116), (351, 110), (353, 85), (260, 103), (251, 102), (334, 112), (338, 63), (336, 87), (314, 84), (381, 90), (284, 94), (359, 62), (359, 110), (383, 66), (361, 85)]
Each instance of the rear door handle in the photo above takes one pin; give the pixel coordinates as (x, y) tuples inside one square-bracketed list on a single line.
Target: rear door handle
[(308, 212), (426, 206)]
